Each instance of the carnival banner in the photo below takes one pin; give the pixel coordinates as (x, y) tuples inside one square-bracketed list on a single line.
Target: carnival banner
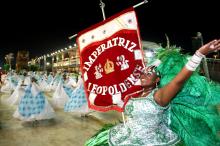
[(111, 60)]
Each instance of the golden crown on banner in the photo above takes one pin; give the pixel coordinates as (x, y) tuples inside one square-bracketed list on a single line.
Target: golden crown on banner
[(109, 66)]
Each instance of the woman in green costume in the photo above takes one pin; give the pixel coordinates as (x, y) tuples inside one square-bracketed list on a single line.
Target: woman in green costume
[(182, 110)]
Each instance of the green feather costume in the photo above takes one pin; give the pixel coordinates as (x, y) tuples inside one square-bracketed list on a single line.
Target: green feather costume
[(193, 112)]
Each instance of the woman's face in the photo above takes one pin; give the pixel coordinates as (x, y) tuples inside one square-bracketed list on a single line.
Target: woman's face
[(149, 78)]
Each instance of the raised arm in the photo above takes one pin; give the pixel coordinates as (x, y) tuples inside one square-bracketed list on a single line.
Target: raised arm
[(164, 95)]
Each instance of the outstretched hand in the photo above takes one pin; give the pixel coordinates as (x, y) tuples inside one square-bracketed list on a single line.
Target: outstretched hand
[(210, 47)]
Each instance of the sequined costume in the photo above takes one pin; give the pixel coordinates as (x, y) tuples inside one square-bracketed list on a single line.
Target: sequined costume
[(193, 114), (145, 125)]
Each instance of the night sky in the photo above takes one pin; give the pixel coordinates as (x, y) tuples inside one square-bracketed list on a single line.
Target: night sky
[(41, 27)]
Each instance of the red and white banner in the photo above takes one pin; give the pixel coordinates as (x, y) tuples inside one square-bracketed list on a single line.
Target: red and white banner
[(111, 61)]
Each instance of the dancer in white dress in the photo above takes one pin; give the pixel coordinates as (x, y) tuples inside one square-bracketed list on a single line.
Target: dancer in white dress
[(61, 94), (77, 102), (33, 105)]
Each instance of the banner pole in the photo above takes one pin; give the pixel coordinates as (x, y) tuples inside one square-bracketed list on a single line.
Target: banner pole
[(102, 5), (141, 3), (73, 36), (123, 118)]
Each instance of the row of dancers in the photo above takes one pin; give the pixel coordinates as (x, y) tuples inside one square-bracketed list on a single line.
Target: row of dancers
[(27, 92)]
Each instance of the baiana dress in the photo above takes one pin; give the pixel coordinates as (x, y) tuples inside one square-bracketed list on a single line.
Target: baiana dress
[(146, 125), (77, 101), (34, 105), (61, 95)]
